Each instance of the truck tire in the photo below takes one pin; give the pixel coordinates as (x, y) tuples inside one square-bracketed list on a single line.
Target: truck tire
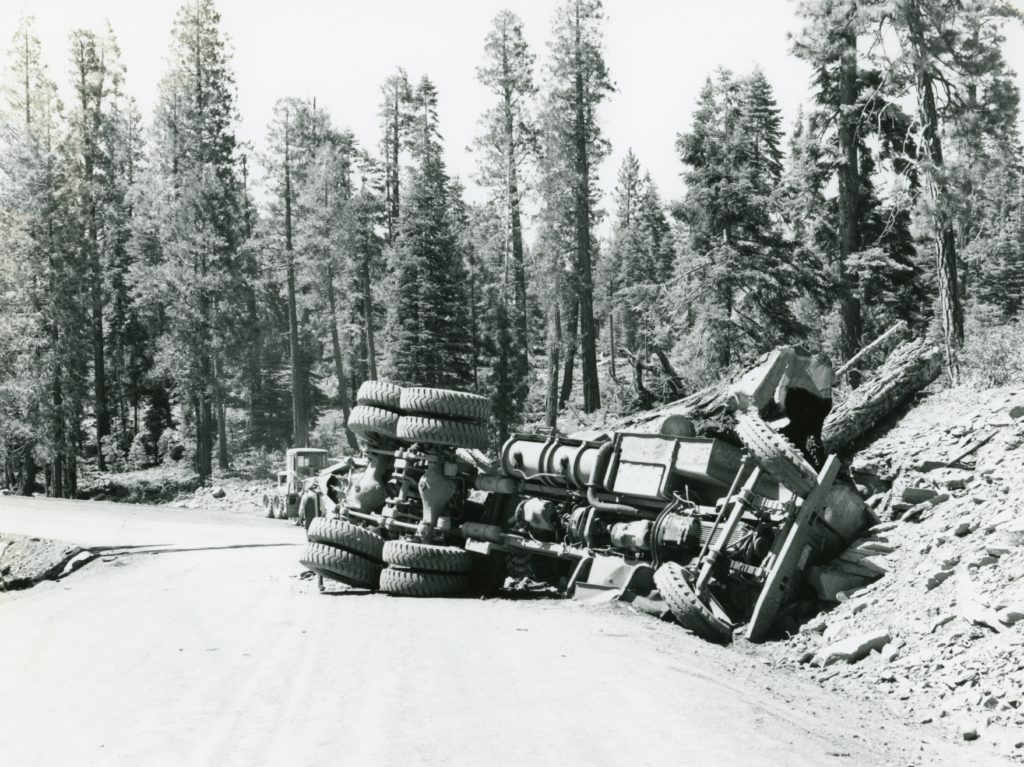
[(382, 394), (425, 557), (676, 587), (775, 454), (268, 506), (340, 565), (446, 403), (367, 422), (435, 431), (412, 583), (347, 536)]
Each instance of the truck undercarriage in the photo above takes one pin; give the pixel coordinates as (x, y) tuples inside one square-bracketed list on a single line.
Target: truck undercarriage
[(718, 534)]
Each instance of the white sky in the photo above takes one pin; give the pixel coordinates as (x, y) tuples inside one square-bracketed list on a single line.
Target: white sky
[(658, 53)]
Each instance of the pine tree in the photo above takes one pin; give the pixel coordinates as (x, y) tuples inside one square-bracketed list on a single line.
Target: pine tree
[(739, 265), (103, 146), (573, 148), (507, 143), (189, 240), (949, 55), (43, 315), (363, 249), (428, 317), (394, 118), (860, 245), (642, 257), (323, 196)]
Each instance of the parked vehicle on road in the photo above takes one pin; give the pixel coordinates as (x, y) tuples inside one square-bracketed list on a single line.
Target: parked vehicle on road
[(301, 467)]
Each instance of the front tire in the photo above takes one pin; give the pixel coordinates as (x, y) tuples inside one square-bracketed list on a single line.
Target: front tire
[(347, 536), (340, 565), (676, 587)]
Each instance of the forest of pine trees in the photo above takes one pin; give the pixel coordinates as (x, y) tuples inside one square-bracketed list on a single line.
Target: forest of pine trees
[(158, 306)]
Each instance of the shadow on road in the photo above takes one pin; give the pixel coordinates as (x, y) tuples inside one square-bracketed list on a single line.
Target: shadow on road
[(153, 548)]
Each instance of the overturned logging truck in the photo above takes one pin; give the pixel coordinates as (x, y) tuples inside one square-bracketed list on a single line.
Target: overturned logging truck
[(710, 509)]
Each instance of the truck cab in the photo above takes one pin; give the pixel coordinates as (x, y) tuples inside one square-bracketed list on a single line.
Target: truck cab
[(301, 464)]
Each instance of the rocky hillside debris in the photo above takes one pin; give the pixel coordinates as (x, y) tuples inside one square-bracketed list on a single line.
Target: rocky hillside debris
[(951, 598), (233, 495), (862, 563), (24, 562)]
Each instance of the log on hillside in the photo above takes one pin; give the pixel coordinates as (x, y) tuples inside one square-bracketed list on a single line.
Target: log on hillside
[(910, 368), (778, 377)]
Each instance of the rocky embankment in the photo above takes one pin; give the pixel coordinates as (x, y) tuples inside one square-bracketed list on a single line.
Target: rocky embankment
[(24, 562), (939, 629)]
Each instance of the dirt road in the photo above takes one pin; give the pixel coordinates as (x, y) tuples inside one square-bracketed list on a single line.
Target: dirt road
[(203, 646)]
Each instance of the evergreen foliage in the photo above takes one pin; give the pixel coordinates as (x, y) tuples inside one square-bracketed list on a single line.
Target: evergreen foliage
[(153, 292)]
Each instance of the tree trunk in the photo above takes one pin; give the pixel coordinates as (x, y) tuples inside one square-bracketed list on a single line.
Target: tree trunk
[(56, 484), (515, 248), (474, 330), (674, 382), (588, 339), (27, 476), (300, 433), (222, 425), (849, 203), (554, 347), (371, 353), (938, 193), (204, 426), (339, 369), (911, 367), (611, 346), (254, 384), (570, 338)]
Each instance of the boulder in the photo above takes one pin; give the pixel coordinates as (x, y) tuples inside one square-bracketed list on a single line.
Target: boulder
[(218, 492), (937, 578), (829, 581), (1011, 614), (968, 731), (852, 649), (916, 495)]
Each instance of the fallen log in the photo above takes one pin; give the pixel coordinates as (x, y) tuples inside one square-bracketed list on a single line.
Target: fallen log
[(674, 382), (895, 331), (911, 367)]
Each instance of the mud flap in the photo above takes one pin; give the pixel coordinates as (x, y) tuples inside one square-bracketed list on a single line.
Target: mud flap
[(603, 578)]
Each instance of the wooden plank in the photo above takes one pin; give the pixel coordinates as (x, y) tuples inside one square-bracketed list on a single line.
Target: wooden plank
[(793, 555)]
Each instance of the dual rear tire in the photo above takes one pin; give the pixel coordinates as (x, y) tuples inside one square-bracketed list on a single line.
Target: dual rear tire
[(422, 570), (416, 414)]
